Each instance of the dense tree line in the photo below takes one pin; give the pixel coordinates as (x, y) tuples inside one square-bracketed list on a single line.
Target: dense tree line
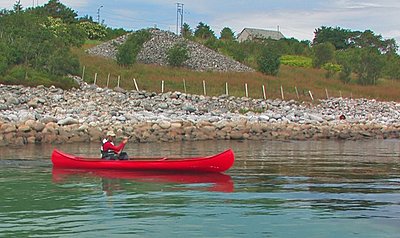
[(340, 52), (263, 55), (35, 43), (365, 54)]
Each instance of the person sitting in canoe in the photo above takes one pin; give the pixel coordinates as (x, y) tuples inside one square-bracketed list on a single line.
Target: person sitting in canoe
[(111, 152)]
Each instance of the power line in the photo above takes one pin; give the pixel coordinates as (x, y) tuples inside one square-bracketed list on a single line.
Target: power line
[(111, 16)]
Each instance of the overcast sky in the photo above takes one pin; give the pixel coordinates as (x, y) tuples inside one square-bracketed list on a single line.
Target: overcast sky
[(295, 18)]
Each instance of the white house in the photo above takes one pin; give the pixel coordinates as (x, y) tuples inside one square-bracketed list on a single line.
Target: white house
[(253, 34)]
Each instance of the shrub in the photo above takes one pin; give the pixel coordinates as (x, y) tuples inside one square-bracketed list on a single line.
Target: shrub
[(331, 69), (62, 62), (3, 64), (93, 31), (21, 75), (177, 55), (113, 33), (345, 74), (268, 62), (369, 66), (233, 49), (128, 51), (323, 53), (296, 60)]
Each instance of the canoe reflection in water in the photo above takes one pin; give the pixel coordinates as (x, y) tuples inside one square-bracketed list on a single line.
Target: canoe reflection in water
[(113, 180)]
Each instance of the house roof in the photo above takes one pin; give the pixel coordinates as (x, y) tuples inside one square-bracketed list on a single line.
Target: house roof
[(261, 33)]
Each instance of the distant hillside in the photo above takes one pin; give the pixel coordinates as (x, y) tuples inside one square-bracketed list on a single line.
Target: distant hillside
[(155, 51)]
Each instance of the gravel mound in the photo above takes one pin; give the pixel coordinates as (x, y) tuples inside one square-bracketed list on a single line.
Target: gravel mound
[(155, 51)]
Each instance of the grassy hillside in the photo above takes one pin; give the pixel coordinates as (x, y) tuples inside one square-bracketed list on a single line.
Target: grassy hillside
[(149, 78)]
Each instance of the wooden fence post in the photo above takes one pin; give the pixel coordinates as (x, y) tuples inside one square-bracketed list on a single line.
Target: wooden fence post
[(246, 90), (297, 93), (83, 73), (311, 96), (95, 79), (340, 93), (184, 85), (119, 78), (204, 88), (264, 94), (162, 86), (327, 95), (283, 97), (136, 86), (226, 88), (108, 80)]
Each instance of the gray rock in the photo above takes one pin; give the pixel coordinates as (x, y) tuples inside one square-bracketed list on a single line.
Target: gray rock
[(189, 108), (263, 118), (148, 107), (164, 124), (48, 119), (57, 98), (67, 121), (26, 115), (12, 101), (33, 103), (121, 118), (3, 107), (163, 105), (316, 118), (277, 116)]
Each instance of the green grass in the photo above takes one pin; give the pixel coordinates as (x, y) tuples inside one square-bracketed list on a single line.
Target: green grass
[(91, 43), (27, 76), (149, 78), (296, 60)]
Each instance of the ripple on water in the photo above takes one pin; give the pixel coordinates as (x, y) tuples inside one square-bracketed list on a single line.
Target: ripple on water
[(275, 189)]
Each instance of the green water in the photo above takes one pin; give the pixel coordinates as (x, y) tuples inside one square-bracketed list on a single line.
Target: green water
[(275, 189)]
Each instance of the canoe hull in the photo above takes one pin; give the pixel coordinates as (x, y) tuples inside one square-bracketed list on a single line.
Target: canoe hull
[(216, 163)]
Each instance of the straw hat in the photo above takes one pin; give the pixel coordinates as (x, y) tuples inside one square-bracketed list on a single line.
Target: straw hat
[(110, 133)]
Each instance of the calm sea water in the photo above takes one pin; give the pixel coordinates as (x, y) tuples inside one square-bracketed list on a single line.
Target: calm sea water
[(275, 189)]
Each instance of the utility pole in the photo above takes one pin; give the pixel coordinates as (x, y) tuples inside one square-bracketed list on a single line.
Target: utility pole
[(98, 14), (179, 18)]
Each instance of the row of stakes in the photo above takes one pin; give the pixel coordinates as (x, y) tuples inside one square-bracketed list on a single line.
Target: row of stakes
[(204, 87)]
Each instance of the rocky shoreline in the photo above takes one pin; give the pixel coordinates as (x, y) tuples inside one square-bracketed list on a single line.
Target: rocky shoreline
[(52, 115)]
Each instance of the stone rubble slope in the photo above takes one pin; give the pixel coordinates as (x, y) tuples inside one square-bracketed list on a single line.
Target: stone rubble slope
[(155, 51), (52, 115)]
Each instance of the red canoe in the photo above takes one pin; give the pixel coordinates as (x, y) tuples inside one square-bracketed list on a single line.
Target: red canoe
[(215, 163)]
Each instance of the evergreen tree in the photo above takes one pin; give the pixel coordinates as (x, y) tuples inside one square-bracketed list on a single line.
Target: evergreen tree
[(17, 6), (186, 31), (227, 34), (204, 32), (55, 9)]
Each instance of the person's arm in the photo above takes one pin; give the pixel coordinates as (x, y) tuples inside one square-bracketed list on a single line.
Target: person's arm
[(116, 149)]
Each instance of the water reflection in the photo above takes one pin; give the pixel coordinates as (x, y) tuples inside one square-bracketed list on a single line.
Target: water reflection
[(113, 180)]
